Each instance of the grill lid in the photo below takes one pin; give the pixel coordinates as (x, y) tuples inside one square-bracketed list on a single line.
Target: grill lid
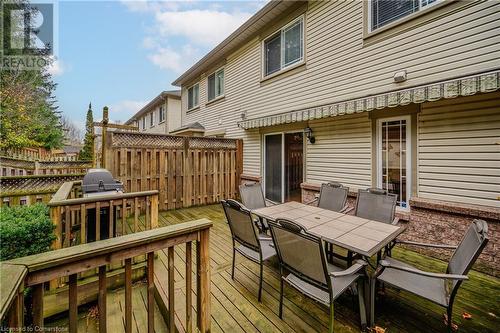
[(100, 180)]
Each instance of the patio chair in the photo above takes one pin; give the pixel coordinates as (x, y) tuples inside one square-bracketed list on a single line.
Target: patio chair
[(435, 287), (376, 204), (302, 257), (243, 231), (252, 197), (332, 196)]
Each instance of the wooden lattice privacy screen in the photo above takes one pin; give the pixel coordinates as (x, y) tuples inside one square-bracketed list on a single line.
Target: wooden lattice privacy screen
[(186, 171)]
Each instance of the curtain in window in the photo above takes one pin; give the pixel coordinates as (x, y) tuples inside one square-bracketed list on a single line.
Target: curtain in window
[(211, 87), (219, 83), (273, 54)]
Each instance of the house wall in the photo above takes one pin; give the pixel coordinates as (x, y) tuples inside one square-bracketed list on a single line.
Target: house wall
[(173, 114), (453, 40), (172, 121), (459, 150)]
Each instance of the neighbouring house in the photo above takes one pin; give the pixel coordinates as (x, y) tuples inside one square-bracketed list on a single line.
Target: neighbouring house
[(161, 116), (400, 95)]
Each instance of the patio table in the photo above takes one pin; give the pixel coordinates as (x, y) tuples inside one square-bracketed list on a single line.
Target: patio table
[(359, 235)]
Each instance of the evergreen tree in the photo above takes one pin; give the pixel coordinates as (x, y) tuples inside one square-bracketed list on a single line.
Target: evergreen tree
[(28, 111), (87, 153)]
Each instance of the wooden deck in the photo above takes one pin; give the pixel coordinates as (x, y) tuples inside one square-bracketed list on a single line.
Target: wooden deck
[(235, 307)]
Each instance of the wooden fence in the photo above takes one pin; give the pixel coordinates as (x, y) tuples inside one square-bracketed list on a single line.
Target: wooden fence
[(186, 171), (36, 154), (18, 167), (27, 190)]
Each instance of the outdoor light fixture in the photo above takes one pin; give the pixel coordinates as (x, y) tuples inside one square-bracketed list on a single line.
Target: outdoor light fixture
[(309, 135)]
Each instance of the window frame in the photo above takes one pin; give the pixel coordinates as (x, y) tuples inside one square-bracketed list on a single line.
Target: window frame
[(409, 164), (198, 103), (160, 118), (280, 31), (223, 84), (420, 11), (144, 123), (152, 119)]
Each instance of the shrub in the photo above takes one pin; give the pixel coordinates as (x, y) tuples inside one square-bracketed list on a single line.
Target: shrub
[(25, 230)]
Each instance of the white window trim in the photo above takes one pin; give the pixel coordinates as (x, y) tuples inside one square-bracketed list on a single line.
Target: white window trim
[(223, 86), (161, 121), (152, 119), (409, 165), (187, 91), (399, 20), (282, 60)]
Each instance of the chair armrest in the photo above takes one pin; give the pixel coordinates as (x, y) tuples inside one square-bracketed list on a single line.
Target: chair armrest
[(395, 221), (358, 265), (346, 209), (269, 203), (265, 237), (438, 246), (386, 264), (311, 202)]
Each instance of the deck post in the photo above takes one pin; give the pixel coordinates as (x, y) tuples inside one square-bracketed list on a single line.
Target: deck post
[(102, 299), (38, 305), (151, 291), (73, 303), (203, 283), (128, 295), (189, 284)]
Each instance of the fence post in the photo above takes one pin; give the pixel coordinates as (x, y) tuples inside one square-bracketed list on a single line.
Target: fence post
[(239, 163)]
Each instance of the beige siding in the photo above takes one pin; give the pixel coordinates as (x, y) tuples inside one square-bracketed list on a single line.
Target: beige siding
[(173, 114), (459, 150), (341, 65), (342, 151)]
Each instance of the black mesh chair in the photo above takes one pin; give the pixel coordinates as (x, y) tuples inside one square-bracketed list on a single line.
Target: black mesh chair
[(302, 257), (243, 231), (376, 204), (252, 197), (332, 196), (435, 287)]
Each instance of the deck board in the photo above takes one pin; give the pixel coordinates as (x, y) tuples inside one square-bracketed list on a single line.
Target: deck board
[(234, 306)]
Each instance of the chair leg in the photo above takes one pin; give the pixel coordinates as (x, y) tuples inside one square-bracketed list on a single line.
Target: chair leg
[(362, 306), (449, 311), (234, 260), (372, 301), (260, 282), (281, 298), (330, 329), (349, 258)]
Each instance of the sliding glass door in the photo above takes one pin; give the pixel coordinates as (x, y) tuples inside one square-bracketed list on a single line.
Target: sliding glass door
[(273, 167), (283, 166)]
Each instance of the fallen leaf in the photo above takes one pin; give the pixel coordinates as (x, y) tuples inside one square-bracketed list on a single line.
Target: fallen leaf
[(466, 315), (377, 329), (454, 326)]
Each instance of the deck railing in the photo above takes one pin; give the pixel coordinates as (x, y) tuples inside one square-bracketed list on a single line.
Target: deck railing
[(34, 271), (68, 211)]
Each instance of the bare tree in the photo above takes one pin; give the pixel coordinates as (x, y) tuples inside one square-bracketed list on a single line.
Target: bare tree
[(72, 133)]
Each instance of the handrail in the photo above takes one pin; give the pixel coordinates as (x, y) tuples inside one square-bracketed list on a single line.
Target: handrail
[(65, 256), (33, 271), (104, 197)]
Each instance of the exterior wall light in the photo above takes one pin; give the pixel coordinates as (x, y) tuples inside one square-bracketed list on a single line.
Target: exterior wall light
[(309, 135)]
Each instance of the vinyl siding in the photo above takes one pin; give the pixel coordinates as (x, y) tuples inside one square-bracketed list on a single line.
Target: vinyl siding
[(342, 151), (173, 114), (459, 150), (341, 65)]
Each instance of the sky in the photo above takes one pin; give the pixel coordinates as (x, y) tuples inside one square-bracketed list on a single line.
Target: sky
[(121, 54)]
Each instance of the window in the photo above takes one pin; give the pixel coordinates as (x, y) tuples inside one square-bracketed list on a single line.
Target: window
[(151, 119), (162, 113), (284, 48), (216, 84), (383, 12), (144, 122), (394, 157), (193, 96)]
